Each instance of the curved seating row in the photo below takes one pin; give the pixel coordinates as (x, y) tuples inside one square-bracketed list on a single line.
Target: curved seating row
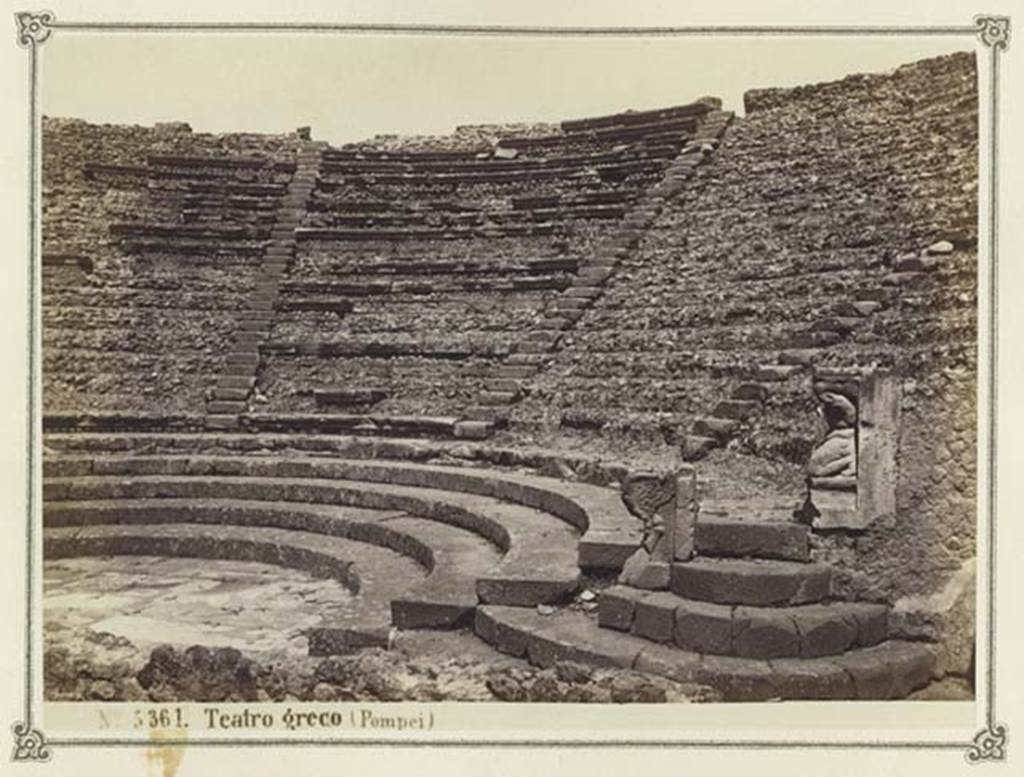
[(609, 532)]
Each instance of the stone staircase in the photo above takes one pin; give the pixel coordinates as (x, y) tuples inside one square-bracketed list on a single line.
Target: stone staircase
[(750, 614), (230, 395), (510, 381)]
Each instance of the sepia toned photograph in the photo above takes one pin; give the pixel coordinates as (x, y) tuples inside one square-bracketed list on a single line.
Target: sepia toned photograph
[(508, 369), (500, 388)]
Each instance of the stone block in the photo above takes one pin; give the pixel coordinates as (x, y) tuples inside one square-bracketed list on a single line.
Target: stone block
[(527, 591), (825, 630), (231, 394), (497, 397), (754, 583), (225, 407), (606, 551), (800, 679), (872, 623), (236, 381), (764, 539), (223, 422), (703, 627), (764, 633), (473, 430), (718, 428), (860, 308), (617, 607), (696, 447), (752, 392), (655, 616), (507, 385), (915, 264), (888, 671), (738, 679), (799, 357), (410, 612)]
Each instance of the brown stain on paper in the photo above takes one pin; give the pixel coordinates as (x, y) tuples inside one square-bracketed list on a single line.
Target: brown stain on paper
[(164, 760)]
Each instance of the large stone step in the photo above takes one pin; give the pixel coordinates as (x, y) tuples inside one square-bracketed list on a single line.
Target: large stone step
[(454, 558), (539, 565), (890, 670), (750, 582), (610, 532), (804, 631), (758, 539)]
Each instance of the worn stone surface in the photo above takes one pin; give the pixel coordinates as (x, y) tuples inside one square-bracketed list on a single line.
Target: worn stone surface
[(105, 340), (787, 541)]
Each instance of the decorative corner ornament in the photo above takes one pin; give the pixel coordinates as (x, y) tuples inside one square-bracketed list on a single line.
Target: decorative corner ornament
[(994, 31), (34, 28), (29, 744), (989, 745)]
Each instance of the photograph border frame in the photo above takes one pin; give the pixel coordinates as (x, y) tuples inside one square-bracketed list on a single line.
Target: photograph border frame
[(993, 31)]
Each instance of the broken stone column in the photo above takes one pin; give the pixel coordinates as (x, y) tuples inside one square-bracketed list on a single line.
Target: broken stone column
[(666, 504)]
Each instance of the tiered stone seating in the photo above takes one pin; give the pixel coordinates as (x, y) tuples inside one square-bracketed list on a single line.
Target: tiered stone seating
[(417, 273), (139, 322), (512, 380), (782, 254)]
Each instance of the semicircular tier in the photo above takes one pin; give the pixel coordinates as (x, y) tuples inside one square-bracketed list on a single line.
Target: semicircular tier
[(484, 536)]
